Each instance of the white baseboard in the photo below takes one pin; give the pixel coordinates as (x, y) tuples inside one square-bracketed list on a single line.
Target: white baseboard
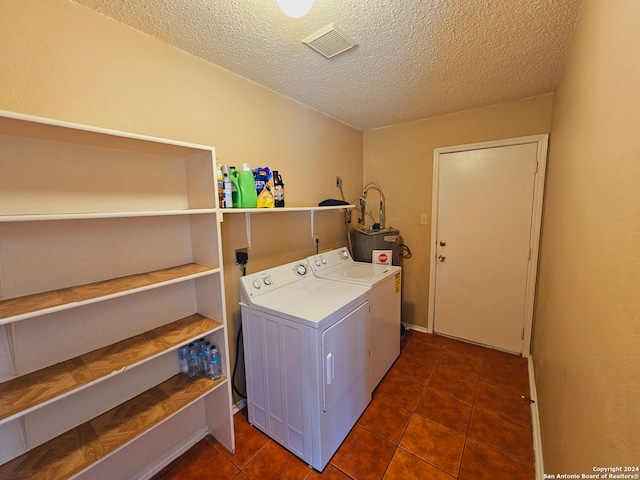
[(417, 328), (239, 406), (535, 422)]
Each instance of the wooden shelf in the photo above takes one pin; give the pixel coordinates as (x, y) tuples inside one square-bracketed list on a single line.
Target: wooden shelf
[(28, 392), (19, 308), (79, 448)]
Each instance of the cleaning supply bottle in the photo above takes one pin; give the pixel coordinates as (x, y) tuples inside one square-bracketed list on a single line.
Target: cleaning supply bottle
[(234, 190), (245, 186), (227, 190), (278, 187), (220, 182)]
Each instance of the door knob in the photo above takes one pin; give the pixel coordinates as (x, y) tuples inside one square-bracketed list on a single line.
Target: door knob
[(442, 258), (443, 243)]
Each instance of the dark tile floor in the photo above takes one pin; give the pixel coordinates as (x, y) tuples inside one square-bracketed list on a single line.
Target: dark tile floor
[(446, 410)]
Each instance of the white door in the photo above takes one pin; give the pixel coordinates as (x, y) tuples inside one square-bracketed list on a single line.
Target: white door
[(485, 229)]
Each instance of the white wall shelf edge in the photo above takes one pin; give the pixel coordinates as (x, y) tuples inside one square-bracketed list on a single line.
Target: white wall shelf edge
[(251, 211), (97, 215)]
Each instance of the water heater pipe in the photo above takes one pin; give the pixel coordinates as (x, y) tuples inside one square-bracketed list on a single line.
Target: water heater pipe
[(375, 185)]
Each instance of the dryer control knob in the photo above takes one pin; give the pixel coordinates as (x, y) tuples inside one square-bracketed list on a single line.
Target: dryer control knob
[(323, 260), (344, 254), (301, 269), (317, 262), (267, 280), (257, 284)]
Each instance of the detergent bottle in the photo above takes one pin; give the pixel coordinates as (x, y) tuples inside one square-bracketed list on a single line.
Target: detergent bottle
[(278, 185), (245, 187)]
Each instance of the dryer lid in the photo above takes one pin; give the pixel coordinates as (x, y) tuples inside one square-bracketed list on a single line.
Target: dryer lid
[(312, 300)]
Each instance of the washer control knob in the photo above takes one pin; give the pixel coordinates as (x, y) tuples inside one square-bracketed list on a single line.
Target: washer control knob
[(257, 284), (318, 262), (301, 269), (267, 280), (323, 260), (344, 254)]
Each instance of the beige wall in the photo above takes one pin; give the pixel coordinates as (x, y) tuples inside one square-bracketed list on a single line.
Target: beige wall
[(63, 61), (400, 159), (587, 329)]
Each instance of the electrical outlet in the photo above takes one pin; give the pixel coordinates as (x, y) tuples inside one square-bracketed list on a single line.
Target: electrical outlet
[(338, 182), (242, 254)]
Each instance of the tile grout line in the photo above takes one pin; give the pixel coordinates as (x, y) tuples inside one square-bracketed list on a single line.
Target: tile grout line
[(511, 454), (464, 449)]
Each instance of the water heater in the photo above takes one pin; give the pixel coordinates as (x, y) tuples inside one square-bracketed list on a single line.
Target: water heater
[(364, 242)]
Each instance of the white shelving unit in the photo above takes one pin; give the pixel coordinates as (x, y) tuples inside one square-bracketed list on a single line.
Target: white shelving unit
[(110, 260)]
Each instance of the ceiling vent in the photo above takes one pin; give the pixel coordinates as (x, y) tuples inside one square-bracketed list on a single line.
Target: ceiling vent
[(329, 41)]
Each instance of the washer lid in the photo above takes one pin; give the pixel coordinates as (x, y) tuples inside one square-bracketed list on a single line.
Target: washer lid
[(311, 300), (338, 265)]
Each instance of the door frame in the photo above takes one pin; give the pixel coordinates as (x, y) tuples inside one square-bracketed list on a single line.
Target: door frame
[(536, 222)]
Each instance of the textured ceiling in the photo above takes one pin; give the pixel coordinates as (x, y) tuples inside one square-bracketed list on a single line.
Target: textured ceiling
[(415, 58)]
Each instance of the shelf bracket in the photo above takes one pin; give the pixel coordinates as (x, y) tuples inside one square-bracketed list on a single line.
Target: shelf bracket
[(247, 219), (311, 213)]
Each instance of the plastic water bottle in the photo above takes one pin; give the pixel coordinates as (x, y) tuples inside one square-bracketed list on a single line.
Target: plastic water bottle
[(199, 345), (193, 368), (200, 361), (205, 357), (192, 350), (183, 361), (215, 363)]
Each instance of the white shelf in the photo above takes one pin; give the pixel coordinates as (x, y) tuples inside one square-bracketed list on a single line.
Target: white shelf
[(257, 211), (28, 126), (284, 209), (97, 215)]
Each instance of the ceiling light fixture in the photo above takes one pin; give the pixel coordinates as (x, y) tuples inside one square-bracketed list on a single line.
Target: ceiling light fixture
[(295, 8)]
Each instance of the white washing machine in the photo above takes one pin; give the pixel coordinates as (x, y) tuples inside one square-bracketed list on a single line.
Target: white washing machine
[(384, 302), (306, 347)]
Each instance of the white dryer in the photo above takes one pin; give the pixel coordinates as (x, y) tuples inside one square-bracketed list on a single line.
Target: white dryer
[(384, 302), (306, 344)]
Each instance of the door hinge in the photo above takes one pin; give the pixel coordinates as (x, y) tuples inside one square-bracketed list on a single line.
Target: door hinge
[(522, 333)]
